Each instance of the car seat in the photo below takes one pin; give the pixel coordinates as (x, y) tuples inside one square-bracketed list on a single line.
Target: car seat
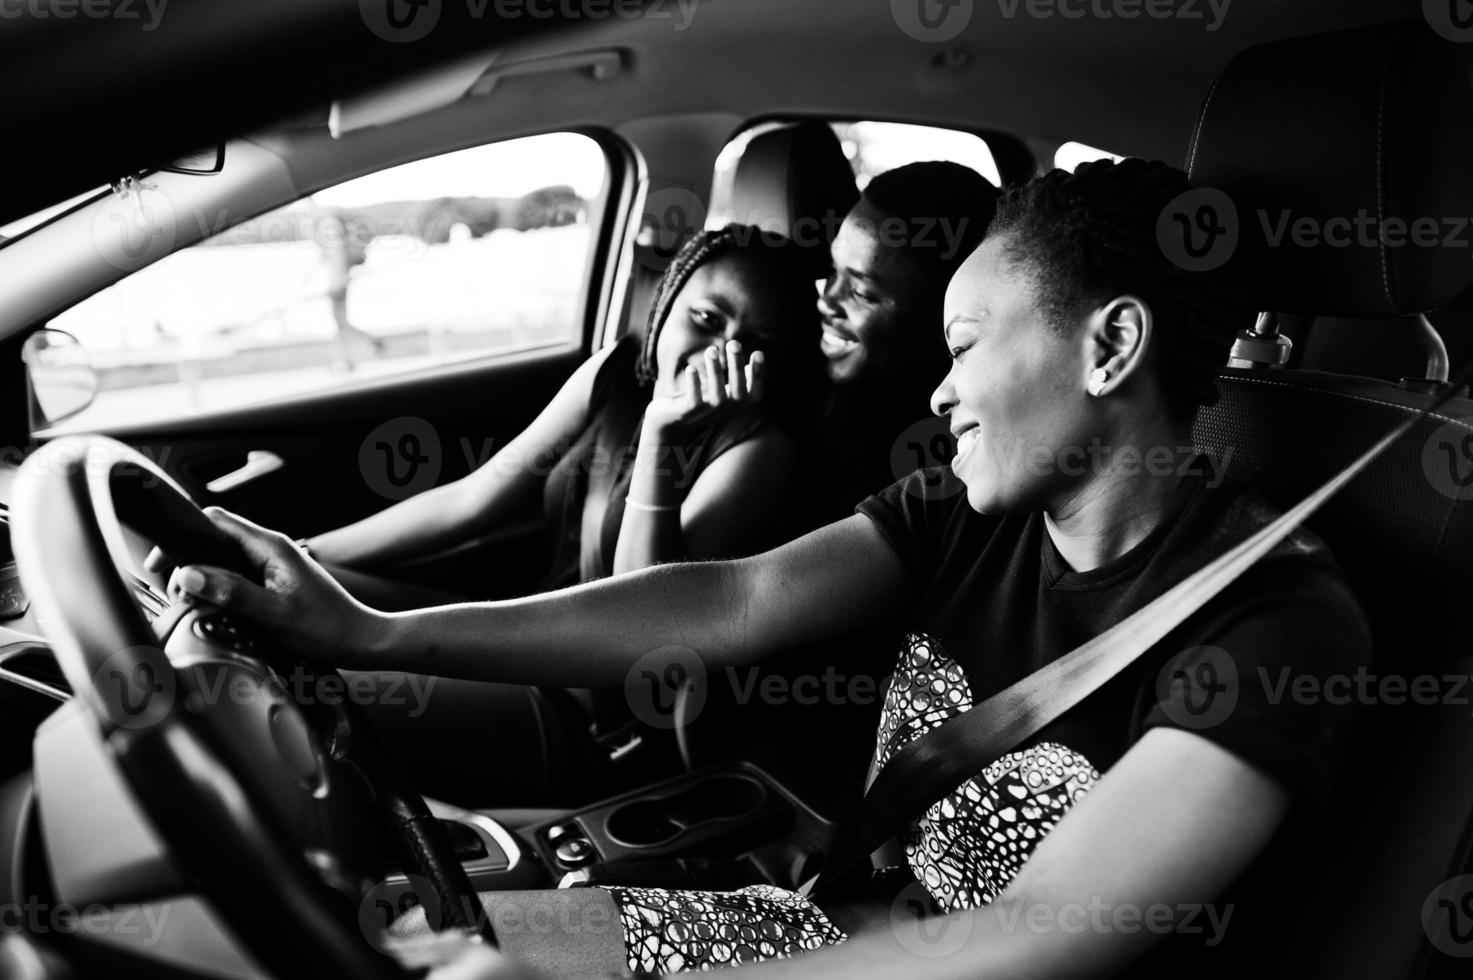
[(793, 179), (1377, 120)]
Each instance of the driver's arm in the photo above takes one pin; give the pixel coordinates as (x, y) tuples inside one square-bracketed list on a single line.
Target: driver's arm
[(840, 578), (1151, 846), (492, 494)]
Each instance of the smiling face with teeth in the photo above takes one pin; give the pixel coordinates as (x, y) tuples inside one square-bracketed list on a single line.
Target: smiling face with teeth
[(1016, 391), (877, 305), (726, 299)]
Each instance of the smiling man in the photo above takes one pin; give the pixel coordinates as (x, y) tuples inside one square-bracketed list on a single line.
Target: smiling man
[(892, 259), (880, 310), (881, 313)]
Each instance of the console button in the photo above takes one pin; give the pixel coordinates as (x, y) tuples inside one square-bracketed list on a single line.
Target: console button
[(575, 851)]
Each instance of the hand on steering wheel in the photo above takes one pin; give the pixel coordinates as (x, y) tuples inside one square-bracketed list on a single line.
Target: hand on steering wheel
[(251, 786), (303, 606)]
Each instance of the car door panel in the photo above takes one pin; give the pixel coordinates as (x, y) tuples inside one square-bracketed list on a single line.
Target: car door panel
[(346, 454)]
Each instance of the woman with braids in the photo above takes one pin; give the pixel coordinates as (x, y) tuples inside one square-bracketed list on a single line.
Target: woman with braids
[(1137, 832), (684, 432), (671, 448)]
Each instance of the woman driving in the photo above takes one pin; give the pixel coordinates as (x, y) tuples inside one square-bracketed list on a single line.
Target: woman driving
[(1079, 355)]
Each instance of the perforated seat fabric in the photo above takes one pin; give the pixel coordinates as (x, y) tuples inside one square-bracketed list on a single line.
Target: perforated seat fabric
[(1290, 431), (1403, 531)]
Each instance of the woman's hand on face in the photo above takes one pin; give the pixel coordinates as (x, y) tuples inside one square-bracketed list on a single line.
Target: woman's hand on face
[(298, 603), (720, 379)]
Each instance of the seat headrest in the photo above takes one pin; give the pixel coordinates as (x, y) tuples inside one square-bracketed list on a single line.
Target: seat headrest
[(1348, 159), (795, 180)]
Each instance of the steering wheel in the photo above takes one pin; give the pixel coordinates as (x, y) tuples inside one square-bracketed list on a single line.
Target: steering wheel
[(265, 796)]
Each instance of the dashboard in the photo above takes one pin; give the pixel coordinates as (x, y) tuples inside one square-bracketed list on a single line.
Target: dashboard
[(25, 658), (31, 683)]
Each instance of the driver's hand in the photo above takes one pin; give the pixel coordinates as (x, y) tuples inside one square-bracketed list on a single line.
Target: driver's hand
[(158, 563), (298, 602)]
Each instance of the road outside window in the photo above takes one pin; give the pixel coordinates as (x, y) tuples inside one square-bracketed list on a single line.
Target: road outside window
[(481, 251)]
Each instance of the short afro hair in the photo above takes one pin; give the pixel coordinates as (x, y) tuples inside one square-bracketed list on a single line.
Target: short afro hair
[(925, 194), (1090, 236)]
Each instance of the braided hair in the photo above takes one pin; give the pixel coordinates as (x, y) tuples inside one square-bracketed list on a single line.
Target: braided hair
[(781, 265), (1090, 236)]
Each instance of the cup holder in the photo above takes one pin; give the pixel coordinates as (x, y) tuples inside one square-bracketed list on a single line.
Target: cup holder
[(652, 821), (642, 824)]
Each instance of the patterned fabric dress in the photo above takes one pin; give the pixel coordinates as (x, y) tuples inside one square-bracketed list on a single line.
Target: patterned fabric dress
[(969, 845), (965, 848)]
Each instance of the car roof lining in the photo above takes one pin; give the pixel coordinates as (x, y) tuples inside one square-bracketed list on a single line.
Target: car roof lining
[(1133, 87)]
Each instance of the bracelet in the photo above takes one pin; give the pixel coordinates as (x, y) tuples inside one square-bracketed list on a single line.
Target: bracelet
[(649, 508)]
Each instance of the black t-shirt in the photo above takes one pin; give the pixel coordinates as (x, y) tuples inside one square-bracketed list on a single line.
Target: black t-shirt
[(994, 601), (868, 434)]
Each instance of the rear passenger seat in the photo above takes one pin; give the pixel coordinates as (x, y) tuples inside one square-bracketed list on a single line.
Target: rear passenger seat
[(793, 179)]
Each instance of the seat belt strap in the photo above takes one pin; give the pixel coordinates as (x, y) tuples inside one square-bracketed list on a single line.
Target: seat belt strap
[(621, 410), (938, 761)]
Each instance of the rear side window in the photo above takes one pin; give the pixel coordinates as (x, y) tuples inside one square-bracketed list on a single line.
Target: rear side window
[(472, 253), (1070, 155), (872, 149)]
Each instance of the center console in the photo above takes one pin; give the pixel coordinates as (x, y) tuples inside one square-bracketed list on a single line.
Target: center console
[(719, 827)]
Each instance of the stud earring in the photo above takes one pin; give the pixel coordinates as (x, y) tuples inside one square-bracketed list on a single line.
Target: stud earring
[(1097, 379)]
